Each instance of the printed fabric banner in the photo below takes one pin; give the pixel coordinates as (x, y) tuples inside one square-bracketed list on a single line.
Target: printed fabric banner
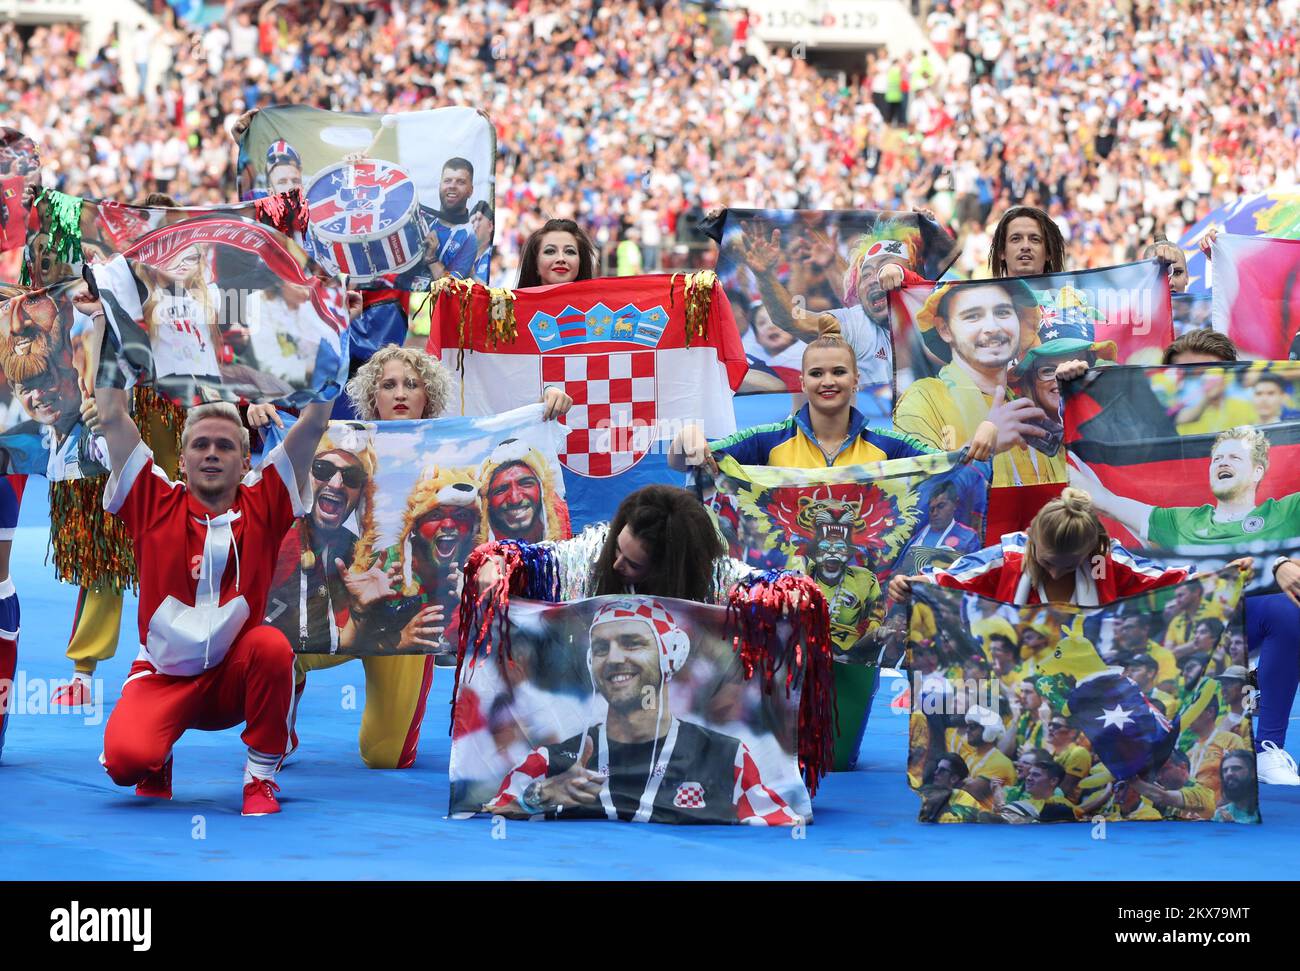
[(1257, 295), (1201, 461), (395, 201), (68, 232), (225, 309), (13, 217), (783, 269), (965, 347), (627, 708), (397, 507), (1192, 311), (1273, 213), (1055, 713), (49, 355), (641, 357), (850, 529)]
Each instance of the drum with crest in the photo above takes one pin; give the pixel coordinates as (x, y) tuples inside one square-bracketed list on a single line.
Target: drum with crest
[(365, 219)]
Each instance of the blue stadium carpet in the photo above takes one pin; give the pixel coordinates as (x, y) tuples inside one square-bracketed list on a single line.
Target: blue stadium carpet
[(62, 818)]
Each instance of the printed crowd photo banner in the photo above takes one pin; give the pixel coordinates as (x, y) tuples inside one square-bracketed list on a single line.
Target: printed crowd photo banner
[(1201, 461), (640, 356), (68, 232), (1192, 311), (20, 166), (225, 309), (1257, 295), (988, 349), (394, 201), (397, 507), (1057, 713), (626, 708), (851, 528), (785, 269), (49, 355)]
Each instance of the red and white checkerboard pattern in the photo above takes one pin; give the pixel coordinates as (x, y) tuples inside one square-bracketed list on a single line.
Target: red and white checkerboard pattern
[(612, 421), (689, 795)]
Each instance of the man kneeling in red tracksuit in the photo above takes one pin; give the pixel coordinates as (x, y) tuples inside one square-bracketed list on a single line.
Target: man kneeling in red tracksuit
[(206, 550)]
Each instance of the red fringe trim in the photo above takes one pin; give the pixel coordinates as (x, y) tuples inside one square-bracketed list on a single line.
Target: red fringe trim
[(781, 623)]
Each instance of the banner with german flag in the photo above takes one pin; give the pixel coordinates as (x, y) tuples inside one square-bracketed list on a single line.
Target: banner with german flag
[(1198, 462)]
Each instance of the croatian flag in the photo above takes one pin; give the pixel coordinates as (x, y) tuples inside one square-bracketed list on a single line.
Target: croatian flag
[(619, 348)]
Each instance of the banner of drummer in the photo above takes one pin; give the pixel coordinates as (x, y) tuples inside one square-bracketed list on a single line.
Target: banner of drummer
[(964, 346), (395, 201), (224, 309), (397, 507), (67, 232), (1057, 713), (640, 356), (850, 529), (1197, 463), (788, 271), (625, 708), (1256, 296), (49, 355)]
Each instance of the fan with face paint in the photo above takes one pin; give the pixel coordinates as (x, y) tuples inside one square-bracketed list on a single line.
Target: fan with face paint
[(520, 496), (442, 524)]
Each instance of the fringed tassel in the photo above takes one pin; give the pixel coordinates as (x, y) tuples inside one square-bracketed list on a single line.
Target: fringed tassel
[(779, 620), (501, 316), (697, 294), (156, 417), (285, 211), (527, 570), (91, 548), (64, 225)]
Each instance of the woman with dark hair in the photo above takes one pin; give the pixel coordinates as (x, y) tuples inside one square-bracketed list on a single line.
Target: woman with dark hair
[(661, 542), (1026, 242), (559, 252)]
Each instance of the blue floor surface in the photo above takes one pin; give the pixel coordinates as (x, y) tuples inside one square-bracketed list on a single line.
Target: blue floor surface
[(61, 817)]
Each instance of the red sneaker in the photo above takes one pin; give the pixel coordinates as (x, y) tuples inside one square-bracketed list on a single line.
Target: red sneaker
[(74, 694), (259, 798), (157, 785)]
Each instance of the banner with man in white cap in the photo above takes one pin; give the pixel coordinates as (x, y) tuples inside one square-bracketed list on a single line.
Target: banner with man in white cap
[(637, 709)]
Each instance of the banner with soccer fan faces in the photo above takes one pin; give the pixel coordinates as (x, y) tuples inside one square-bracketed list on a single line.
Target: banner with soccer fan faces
[(1056, 713), (640, 356), (851, 528), (1256, 299), (68, 232), (49, 355), (1198, 463), (783, 269), (401, 504), (962, 347), (626, 708), (225, 309), (394, 201)]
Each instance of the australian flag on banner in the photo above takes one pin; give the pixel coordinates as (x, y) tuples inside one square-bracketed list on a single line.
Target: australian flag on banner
[(637, 357)]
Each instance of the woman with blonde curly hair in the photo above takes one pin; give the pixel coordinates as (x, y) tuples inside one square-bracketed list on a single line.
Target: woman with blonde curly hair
[(396, 384)]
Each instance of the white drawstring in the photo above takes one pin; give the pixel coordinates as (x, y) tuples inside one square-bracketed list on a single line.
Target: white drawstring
[(207, 567)]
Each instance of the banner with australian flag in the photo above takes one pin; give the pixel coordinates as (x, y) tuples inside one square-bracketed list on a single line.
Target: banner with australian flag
[(640, 356)]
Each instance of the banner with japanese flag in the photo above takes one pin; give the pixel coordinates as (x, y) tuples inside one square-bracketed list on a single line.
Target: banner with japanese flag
[(641, 357), (1256, 298)]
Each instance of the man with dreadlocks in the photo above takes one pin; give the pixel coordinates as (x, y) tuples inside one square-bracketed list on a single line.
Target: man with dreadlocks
[(1026, 242), (650, 766)]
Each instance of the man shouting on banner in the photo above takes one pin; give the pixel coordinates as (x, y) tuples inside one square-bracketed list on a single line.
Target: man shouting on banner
[(650, 765), (1238, 461)]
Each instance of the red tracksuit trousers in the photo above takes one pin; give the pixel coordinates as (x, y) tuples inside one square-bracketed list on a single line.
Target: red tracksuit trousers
[(253, 684)]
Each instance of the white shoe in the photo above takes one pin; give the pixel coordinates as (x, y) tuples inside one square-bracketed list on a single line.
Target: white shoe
[(1275, 767)]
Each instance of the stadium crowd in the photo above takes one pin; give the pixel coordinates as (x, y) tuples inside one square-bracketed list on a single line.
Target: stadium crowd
[(1124, 121)]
